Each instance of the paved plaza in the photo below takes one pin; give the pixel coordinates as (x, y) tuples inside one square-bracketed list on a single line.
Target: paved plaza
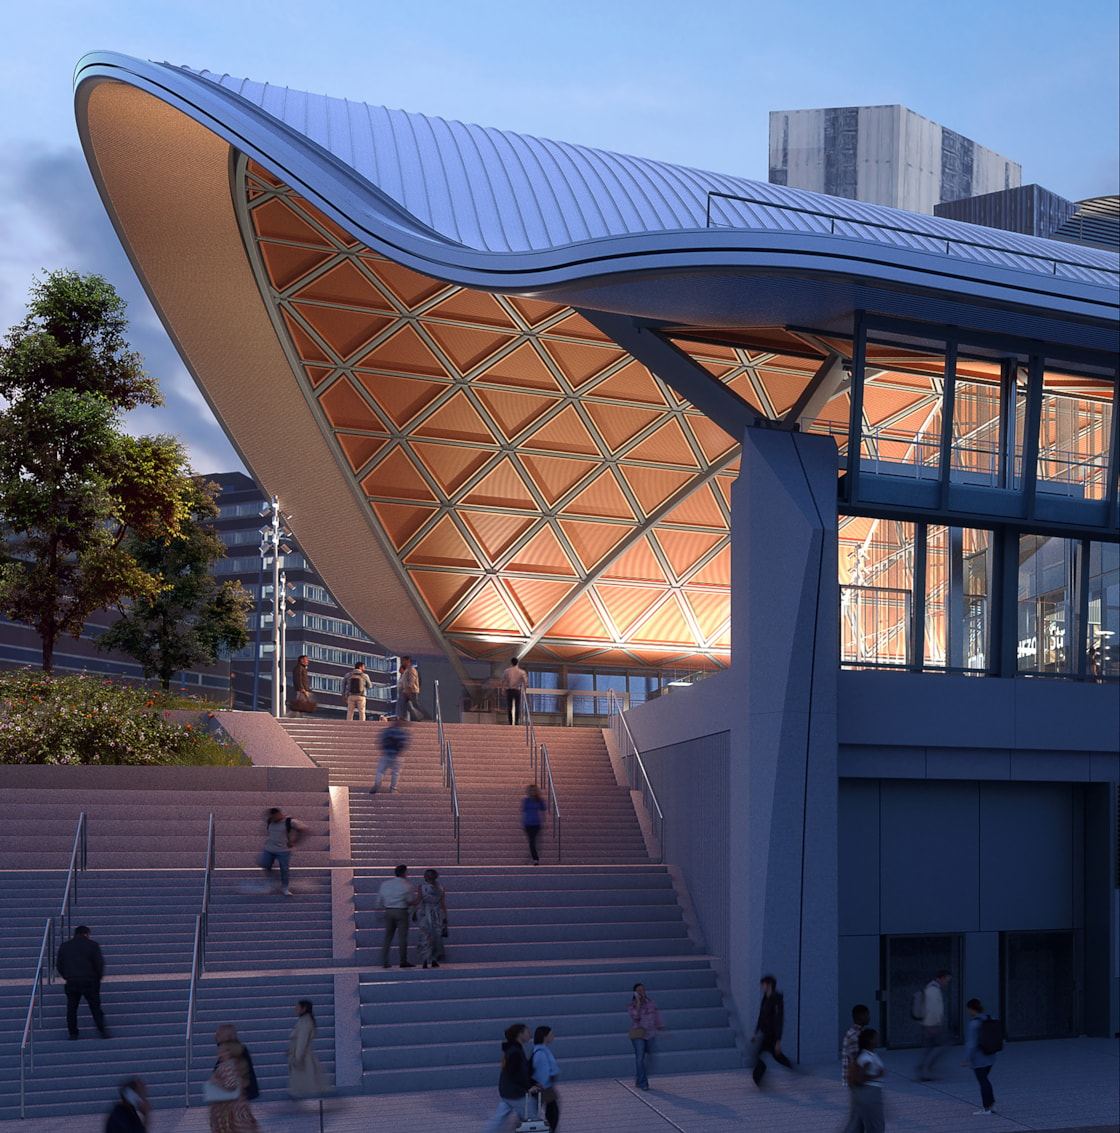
[(1066, 1086)]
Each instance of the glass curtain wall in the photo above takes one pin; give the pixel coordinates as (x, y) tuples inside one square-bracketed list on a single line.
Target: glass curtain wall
[(1074, 432)]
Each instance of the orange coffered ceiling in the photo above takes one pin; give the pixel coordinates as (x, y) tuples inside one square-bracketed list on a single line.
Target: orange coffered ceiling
[(539, 489)]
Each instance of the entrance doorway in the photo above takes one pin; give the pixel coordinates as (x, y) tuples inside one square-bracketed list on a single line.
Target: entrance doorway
[(1040, 984)]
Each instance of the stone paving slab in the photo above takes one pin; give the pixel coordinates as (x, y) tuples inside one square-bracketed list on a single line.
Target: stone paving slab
[(1070, 1086)]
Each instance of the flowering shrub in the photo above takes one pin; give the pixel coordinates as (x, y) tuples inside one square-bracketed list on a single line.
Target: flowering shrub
[(91, 720)]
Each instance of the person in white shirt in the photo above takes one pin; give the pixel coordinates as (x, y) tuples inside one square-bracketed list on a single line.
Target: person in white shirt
[(397, 896), (866, 1077), (934, 1030), (513, 681)]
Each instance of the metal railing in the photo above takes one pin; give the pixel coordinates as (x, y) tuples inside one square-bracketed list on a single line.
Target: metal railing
[(448, 764), (636, 775), (44, 968), (198, 956), (530, 731), (553, 801), (851, 225)]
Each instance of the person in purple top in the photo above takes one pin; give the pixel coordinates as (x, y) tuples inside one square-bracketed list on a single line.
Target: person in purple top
[(533, 809)]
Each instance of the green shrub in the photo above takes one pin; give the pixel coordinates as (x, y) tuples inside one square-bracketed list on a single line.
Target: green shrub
[(92, 720)]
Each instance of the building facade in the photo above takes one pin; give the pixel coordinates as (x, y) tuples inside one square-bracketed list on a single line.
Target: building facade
[(885, 155), (858, 466)]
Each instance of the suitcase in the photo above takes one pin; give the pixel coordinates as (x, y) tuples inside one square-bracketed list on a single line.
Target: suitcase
[(533, 1124)]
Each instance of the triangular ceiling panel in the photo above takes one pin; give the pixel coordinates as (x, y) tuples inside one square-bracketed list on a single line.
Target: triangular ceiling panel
[(684, 549), (464, 306), (345, 331), (653, 486), (543, 554), (627, 605), (487, 612), (286, 263), (409, 287), (513, 411), (273, 219), (666, 445), (555, 476), (709, 609), (591, 541), (443, 546), (397, 478), (359, 448), (581, 620), (534, 311), (495, 531), (725, 484), (667, 624), (502, 487), (521, 368), (576, 326), (579, 362), (407, 353), (401, 398), (456, 420), (602, 498), (698, 510), (637, 563), (715, 573), (346, 285), (632, 383), (782, 389), (535, 597), (347, 409), (564, 433), (451, 465), (442, 589), (713, 441), (467, 346), (401, 521), (306, 347), (316, 375), (619, 423)]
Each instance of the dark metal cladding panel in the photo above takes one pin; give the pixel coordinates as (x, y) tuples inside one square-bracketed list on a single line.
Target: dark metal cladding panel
[(1029, 209), (957, 154), (841, 152)]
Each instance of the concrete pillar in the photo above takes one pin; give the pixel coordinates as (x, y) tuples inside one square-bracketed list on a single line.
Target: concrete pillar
[(783, 788)]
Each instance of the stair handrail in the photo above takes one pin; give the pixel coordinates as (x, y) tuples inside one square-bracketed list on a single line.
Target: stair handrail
[(198, 953), (449, 781), (78, 859), (196, 970), (553, 801), (637, 776), (448, 766), (530, 733), (27, 1045)]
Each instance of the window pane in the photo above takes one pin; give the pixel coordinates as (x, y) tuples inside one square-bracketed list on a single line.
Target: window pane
[(876, 587), (1103, 638), (1046, 628), (958, 567), (1074, 435)]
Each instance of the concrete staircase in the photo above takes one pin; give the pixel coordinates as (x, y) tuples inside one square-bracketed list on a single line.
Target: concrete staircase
[(140, 896), (562, 943)]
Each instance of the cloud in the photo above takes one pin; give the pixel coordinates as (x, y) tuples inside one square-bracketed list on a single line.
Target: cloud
[(51, 218)]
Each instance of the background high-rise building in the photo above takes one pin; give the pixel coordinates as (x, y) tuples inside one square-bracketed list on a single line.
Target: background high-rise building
[(884, 155)]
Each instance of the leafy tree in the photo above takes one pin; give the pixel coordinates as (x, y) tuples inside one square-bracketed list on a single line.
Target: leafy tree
[(73, 484), (194, 617)]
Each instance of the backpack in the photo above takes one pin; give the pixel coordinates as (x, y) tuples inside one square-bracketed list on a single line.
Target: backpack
[(252, 1088), (918, 1004), (990, 1036), (355, 686)]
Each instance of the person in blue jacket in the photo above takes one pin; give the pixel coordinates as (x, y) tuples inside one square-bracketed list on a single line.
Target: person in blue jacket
[(533, 808), (980, 1062)]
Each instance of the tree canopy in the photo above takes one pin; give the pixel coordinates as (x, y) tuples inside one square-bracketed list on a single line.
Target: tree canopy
[(73, 483), (194, 617)]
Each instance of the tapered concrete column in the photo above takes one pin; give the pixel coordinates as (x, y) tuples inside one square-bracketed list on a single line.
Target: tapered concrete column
[(783, 738)]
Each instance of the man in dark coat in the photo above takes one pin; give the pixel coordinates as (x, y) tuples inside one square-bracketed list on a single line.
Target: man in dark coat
[(82, 966), (768, 1030)]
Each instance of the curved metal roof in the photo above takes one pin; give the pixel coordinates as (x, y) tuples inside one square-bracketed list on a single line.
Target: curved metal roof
[(378, 306)]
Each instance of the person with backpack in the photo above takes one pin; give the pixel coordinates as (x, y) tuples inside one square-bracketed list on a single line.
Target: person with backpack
[(281, 834), (982, 1041), (355, 685), (515, 1082), (929, 1008), (394, 739)]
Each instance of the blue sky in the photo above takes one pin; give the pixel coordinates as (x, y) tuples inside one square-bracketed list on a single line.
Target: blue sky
[(685, 82)]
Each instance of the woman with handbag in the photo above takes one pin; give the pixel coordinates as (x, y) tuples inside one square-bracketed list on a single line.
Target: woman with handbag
[(645, 1022), (306, 1076), (225, 1088), (430, 916)]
